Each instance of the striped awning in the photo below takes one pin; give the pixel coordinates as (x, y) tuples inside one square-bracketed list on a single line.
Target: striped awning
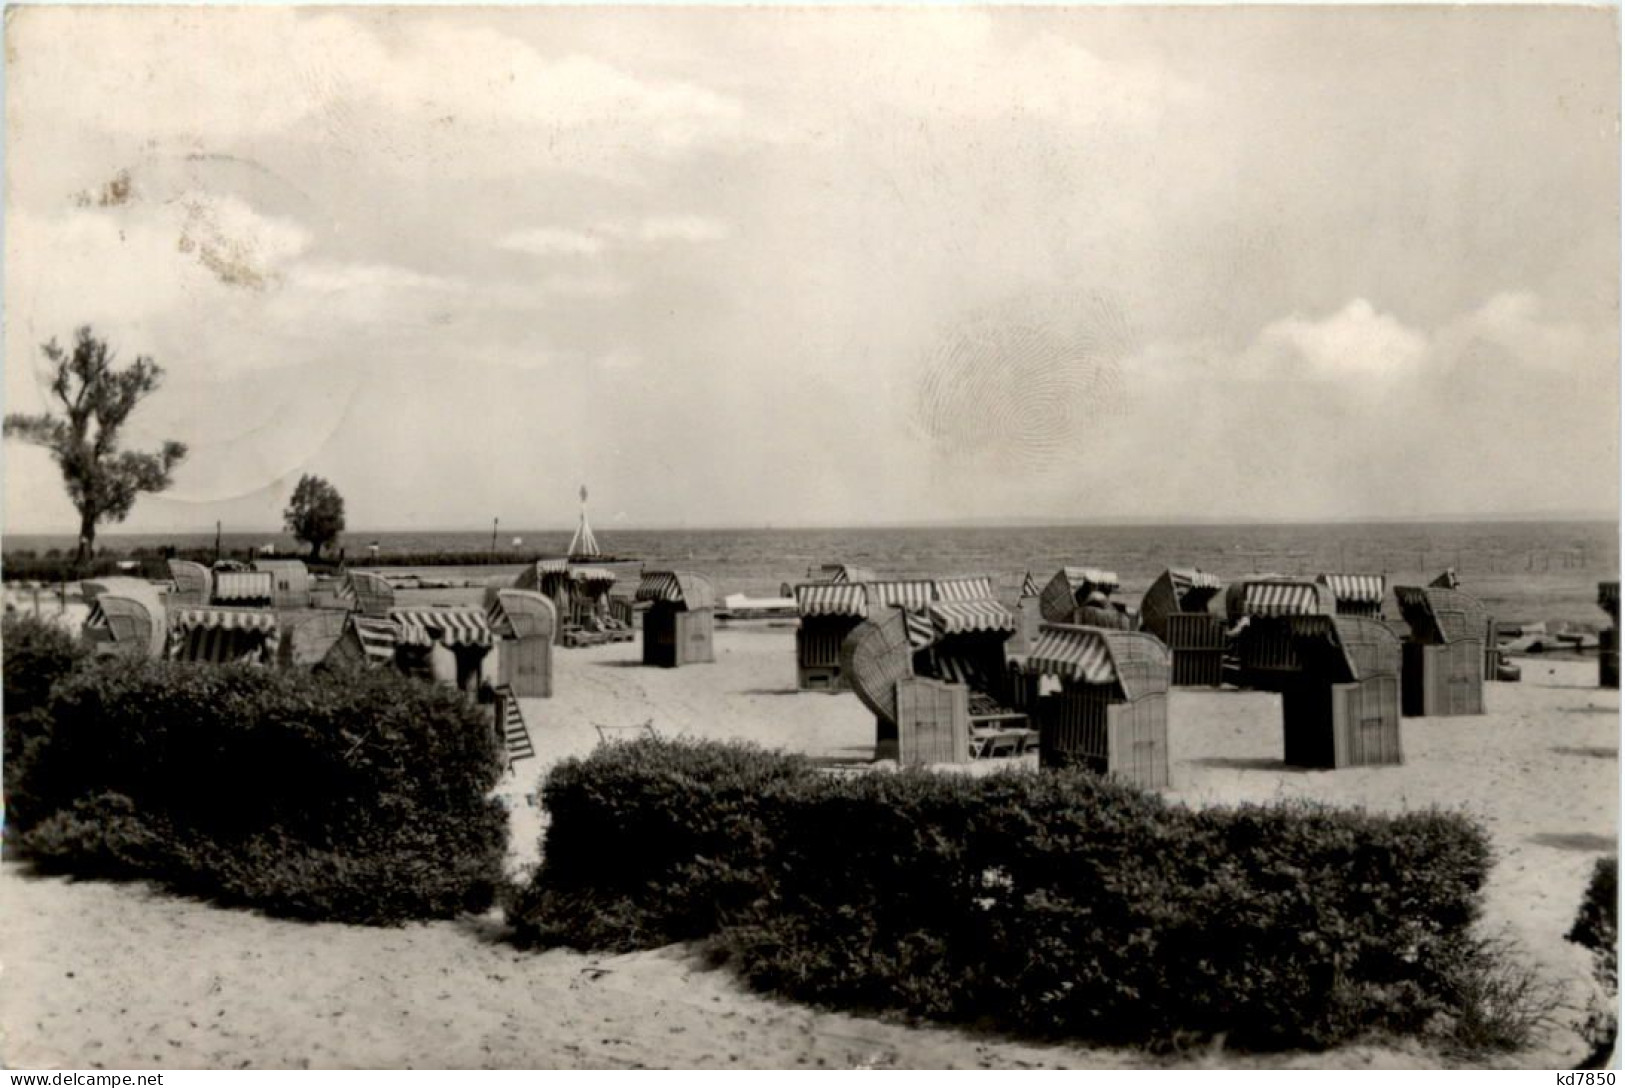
[(496, 617), (1413, 597), (1072, 653), (242, 585), (965, 617), (218, 645), (684, 588), (826, 599), (378, 638), (1356, 588), (222, 619), (409, 633), (1194, 579), (921, 633), (448, 626), (1280, 599), (964, 589), (1092, 577), (593, 575), (660, 586), (552, 566), (914, 596)]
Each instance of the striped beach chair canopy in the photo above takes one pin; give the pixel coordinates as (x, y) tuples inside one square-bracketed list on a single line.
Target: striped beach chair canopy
[(912, 594), (598, 579), (680, 588), (1133, 662), (978, 588), (260, 620), (1361, 589), (832, 599), (1194, 587), (451, 627), (1269, 597), (839, 573), (238, 586), (377, 638), (221, 635), (957, 617), (544, 574), (1029, 588)]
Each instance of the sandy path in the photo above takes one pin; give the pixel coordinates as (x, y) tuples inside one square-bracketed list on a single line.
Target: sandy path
[(119, 976)]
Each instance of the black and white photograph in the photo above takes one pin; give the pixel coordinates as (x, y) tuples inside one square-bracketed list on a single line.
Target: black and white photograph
[(915, 537)]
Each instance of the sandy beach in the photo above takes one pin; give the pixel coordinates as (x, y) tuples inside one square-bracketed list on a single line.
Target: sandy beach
[(120, 976)]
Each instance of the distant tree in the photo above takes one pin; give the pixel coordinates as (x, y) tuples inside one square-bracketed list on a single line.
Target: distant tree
[(97, 398), (315, 514)]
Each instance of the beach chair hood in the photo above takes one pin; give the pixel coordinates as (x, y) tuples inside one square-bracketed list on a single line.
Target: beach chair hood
[(874, 656), (1062, 595), (1438, 617), (678, 588), (520, 613), (1134, 663)]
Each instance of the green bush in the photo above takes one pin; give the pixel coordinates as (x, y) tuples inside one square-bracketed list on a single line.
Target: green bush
[(361, 798), (1056, 904), (650, 842), (1596, 929), (37, 656)]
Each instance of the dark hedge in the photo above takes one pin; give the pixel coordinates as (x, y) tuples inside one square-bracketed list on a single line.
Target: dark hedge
[(1056, 904), (359, 797)]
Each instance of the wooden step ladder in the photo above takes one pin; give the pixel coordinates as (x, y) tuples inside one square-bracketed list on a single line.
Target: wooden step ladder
[(511, 723)]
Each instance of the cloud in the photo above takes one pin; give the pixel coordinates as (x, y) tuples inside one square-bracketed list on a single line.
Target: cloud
[(1357, 411), (679, 228), (611, 235), (553, 242), (1355, 345), (585, 285), (410, 89)]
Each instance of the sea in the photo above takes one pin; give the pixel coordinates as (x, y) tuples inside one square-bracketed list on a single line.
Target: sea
[(1528, 571)]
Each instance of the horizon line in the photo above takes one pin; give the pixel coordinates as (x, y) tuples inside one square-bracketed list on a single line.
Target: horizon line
[(951, 523)]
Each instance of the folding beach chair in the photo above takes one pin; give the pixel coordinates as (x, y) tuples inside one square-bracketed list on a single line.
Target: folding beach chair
[(611, 733)]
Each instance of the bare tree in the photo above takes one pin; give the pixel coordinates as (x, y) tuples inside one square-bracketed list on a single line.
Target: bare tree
[(97, 399)]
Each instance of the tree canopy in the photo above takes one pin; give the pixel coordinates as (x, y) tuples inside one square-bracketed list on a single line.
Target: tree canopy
[(315, 514), (97, 398)]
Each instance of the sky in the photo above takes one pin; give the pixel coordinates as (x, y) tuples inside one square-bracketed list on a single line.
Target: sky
[(751, 266)]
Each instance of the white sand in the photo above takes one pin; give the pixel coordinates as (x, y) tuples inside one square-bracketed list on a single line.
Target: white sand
[(120, 976)]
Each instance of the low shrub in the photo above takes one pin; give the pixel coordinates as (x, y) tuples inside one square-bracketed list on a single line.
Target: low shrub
[(37, 657), (359, 798), (1054, 904), (1596, 929), (651, 842)]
